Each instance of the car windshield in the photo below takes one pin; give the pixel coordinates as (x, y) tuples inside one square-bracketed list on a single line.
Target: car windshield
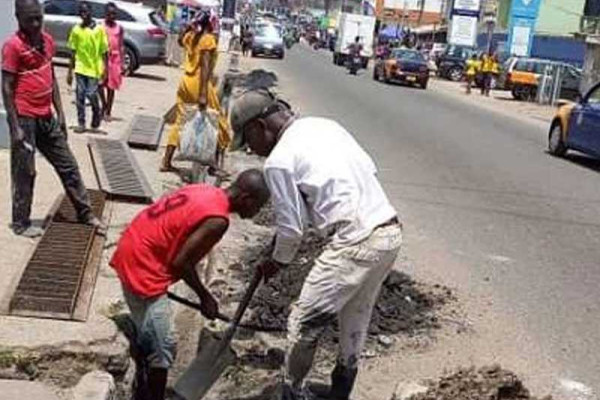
[(268, 31), (407, 55)]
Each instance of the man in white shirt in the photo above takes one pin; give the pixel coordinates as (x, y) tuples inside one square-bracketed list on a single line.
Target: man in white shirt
[(318, 175)]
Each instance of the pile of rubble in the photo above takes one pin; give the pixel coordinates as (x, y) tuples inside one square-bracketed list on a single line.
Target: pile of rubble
[(476, 384)]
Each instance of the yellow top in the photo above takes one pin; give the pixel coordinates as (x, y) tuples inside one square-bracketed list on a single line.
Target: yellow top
[(473, 66), (487, 63), (194, 46), (495, 67)]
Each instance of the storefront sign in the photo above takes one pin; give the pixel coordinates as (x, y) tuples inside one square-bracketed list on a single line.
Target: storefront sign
[(466, 5), (463, 30), (523, 16)]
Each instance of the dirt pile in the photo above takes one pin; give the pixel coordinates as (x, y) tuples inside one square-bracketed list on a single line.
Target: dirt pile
[(478, 384), (404, 306)]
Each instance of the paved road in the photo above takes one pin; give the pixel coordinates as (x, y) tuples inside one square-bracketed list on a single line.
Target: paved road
[(487, 210)]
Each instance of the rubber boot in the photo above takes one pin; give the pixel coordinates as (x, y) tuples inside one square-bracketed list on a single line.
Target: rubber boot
[(157, 383), (342, 382)]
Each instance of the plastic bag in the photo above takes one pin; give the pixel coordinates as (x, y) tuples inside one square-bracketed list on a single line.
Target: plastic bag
[(199, 138)]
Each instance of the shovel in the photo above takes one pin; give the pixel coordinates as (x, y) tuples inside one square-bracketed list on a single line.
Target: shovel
[(215, 354)]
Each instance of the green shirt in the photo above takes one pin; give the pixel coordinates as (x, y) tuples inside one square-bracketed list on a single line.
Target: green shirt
[(90, 46)]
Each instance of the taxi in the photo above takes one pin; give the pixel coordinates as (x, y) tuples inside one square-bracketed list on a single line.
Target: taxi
[(403, 65), (576, 126)]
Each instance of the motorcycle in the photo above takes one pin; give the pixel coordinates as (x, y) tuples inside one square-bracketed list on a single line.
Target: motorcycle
[(354, 64)]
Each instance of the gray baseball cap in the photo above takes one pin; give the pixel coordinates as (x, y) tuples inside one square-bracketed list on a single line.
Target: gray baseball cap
[(248, 106)]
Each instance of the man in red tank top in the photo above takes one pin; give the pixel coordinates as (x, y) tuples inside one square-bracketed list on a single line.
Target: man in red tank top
[(162, 245)]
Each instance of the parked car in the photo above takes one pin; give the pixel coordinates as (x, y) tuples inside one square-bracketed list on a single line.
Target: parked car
[(451, 63), (576, 126), (268, 41), (145, 30), (521, 75), (403, 65)]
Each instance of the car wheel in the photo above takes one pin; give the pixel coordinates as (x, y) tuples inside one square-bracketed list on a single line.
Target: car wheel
[(556, 144), (335, 62), (130, 62), (517, 93), (281, 56), (455, 74), (365, 63), (375, 74), (253, 54), (423, 84)]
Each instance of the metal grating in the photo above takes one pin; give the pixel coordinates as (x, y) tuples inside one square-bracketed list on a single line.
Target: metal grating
[(52, 278), (145, 131), (117, 171), (66, 212)]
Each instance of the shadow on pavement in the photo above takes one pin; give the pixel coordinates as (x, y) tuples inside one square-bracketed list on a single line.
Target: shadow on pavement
[(148, 77), (584, 161)]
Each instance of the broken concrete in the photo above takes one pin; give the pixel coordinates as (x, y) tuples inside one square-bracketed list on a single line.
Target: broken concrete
[(95, 385), (13, 389), (406, 390)]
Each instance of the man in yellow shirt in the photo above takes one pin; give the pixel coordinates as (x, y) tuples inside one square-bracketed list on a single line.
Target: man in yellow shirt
[(487, 68), (472, 68), (89, 45)]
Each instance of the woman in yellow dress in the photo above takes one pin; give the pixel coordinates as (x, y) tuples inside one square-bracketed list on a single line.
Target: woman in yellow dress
[(196, 85)]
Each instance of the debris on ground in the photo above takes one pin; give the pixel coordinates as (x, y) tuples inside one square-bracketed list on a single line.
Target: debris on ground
[(485, 383), (404, 306), (266, 215)]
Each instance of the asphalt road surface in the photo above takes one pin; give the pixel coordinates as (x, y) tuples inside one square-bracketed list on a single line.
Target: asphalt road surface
[(486, 211)]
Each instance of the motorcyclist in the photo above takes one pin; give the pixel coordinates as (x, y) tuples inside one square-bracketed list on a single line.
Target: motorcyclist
[(354, 50)]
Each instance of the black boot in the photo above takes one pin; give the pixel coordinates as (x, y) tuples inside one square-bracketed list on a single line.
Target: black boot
[(342, 382), (157, 383)]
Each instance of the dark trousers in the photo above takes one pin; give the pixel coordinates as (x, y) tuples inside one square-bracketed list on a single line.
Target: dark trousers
[(46, 135), (87, 88)]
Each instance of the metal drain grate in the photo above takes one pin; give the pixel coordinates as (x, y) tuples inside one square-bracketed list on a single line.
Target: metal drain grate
[(66, 212), (145, 132), (52, 278), (117, 171)]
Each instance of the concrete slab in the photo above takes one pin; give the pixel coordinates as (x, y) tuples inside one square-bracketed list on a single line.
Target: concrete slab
[(13, 390)]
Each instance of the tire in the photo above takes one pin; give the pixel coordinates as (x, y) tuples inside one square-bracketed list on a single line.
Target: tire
[(335, 57), (455, 74), (281, 56), (130, 61), (556, 144), (517, 93), (375, 74), (423, 84), (253, 54), (365, 63)]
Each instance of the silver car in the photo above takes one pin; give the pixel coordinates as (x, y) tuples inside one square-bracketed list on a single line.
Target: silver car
[(145, 30)]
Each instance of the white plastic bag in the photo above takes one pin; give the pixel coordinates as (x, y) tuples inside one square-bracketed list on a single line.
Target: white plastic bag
[(198, 141)]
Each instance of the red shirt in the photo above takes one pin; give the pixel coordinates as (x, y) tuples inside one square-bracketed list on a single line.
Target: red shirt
[(33, 71), (150, 243)]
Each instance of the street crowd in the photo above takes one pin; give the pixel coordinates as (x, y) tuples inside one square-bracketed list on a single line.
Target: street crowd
[(337, 193)]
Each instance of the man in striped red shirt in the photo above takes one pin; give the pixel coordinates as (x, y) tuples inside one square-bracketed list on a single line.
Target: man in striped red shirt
[(29, 91)]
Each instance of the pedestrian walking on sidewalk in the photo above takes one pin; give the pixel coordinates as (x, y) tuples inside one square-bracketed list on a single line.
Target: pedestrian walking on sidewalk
[(89, 46), (161, 246), (114, 65), (29, 90), (196, 87), (338, 192), (472, 68)]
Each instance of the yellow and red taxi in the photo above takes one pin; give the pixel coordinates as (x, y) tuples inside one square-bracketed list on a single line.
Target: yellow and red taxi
[(403, 65), (576, 126)]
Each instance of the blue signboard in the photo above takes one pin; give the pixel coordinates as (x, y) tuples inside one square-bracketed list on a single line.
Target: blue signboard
[(525, 8), (523, 16)]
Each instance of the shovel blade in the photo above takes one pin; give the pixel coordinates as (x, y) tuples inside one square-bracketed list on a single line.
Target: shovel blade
[(214, 357)]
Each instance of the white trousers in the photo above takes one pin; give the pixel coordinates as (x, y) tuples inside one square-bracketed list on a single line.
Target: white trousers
[(344, 283)]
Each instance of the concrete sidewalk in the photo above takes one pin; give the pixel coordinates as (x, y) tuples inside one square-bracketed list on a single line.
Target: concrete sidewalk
[(499, 101), (99, 344)]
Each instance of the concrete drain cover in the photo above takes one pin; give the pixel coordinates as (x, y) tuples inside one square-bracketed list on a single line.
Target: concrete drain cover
[(117, 171), (145, 132), (59, 278)]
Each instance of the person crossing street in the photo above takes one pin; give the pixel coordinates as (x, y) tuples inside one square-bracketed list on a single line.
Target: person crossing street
[(338, 193), (30, 90)]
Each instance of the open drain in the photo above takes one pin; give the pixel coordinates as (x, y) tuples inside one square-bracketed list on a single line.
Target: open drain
[(59, 277)]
